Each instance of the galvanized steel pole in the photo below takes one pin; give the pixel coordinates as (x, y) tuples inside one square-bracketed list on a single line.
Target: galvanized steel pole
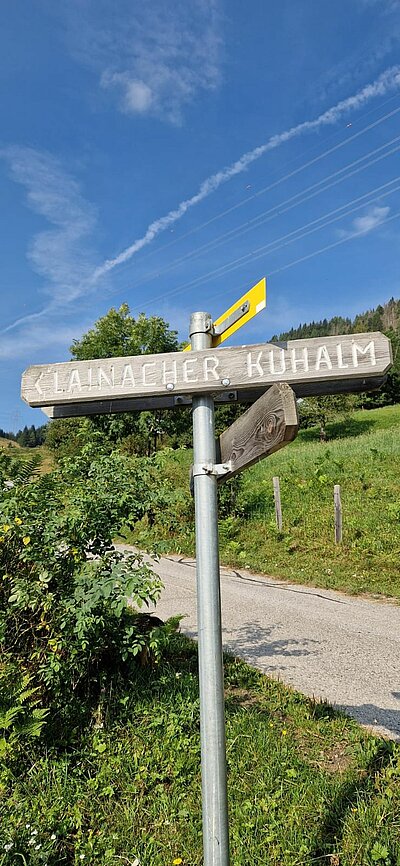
[(212, 719)]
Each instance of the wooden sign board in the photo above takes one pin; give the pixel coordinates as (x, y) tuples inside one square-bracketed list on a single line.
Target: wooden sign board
[(151, 404), (270, 424), (241, 369)]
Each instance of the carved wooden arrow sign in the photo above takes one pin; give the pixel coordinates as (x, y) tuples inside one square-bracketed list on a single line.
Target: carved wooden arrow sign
[(244, 369), (270, 424)]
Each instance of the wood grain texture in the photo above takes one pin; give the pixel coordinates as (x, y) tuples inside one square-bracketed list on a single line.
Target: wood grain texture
[(270, 424), (245, 395), (317, 360)]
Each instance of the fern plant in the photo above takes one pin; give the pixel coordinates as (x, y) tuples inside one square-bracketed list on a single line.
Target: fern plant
[(21, 716)]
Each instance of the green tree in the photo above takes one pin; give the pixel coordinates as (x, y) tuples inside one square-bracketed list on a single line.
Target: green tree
[(320, 410), (119, 334), (384, 318)]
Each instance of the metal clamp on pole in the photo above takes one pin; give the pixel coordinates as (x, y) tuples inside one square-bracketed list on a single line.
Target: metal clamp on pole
[(218, 469), (232, 319)]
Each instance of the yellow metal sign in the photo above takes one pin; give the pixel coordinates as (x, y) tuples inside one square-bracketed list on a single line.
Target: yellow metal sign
[(251, 303)]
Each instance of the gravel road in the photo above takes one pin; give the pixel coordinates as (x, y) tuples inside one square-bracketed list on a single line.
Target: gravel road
[(327, 644)]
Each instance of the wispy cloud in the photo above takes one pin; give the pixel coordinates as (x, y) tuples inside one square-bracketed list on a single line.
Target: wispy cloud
[(156, 57), (36, 334), (369, 221), (387, 82), (380, 21), (385, 5), (61, 254)]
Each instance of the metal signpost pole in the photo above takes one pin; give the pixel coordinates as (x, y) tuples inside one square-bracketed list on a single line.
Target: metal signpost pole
[(212, 720)]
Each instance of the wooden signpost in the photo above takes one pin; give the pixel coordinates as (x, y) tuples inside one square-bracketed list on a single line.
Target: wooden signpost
[(275, 373), (317, 363)]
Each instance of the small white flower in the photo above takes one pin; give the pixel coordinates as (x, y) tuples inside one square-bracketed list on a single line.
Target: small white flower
[(81, 856), (53, 836), (8, 846), (27, 826), (34, 833), (37, 847)]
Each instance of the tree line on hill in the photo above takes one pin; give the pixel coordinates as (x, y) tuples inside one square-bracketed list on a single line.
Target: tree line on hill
[(28, 437), (385, 318)]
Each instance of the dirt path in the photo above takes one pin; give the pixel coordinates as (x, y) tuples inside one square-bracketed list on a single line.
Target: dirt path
[(324, 643)]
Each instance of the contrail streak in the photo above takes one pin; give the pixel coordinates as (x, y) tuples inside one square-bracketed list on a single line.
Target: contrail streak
[(387, 81)]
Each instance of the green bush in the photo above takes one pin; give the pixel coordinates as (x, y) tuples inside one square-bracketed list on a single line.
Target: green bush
[(69, 602)]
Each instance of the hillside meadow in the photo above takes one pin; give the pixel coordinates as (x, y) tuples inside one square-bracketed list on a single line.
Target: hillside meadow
[(362, 454), (99, 755)]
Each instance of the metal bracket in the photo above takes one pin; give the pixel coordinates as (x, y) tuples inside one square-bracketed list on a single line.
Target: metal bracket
[(218, 469), (232, 319)]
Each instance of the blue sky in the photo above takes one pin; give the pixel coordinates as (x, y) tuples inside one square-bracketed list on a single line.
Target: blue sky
[(169, 155)]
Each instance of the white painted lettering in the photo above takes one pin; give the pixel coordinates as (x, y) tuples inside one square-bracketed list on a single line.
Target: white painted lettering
[(341, 364), (127, 376), (323, 358), (256, 365), (57, 389), (299, 361), (144, 373), (210, 367), (358, 350), (74, 381), (37, 384), (187, 372), (169, 375), (107, 378), (281, 357)]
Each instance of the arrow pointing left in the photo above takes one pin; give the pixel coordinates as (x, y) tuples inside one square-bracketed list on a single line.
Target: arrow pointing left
[(37, 385)]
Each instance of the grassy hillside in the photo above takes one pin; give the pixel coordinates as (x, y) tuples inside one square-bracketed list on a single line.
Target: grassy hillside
[(363, 456), (8, 443), (46, 456)]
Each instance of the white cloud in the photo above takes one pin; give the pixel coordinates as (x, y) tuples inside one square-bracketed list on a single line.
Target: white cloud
[(367, 222), (387, 82), (137, 96), (61, 254), (38, 334), (157, 57)]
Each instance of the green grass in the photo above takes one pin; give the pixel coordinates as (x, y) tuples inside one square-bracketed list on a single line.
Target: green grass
[(363, 456), (11, 447), (306, 785)]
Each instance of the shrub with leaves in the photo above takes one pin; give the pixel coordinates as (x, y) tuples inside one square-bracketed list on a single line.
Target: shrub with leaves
[(69, 601)]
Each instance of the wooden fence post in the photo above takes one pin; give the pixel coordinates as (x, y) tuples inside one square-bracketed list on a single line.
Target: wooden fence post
[(277, 498), (338, 513)]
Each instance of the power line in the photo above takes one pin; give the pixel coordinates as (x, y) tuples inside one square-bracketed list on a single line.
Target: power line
[(276, 183), (280, 208), (331, 246), (272, 248), (365, 199)]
